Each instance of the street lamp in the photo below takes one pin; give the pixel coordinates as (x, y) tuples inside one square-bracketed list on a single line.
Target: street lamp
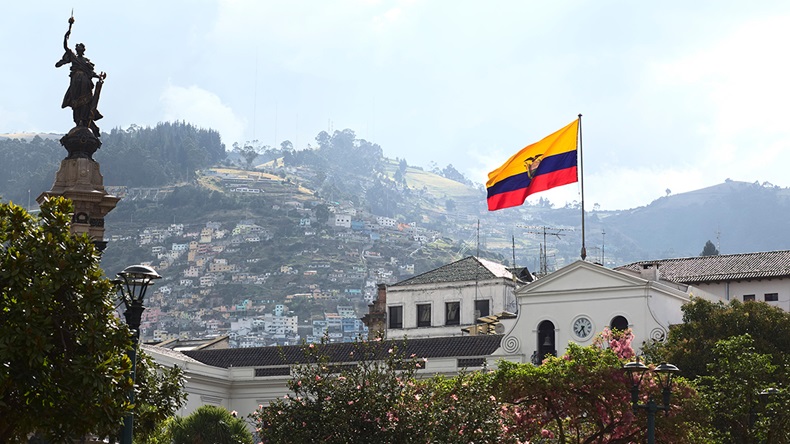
[(636, 371), (132, 284)]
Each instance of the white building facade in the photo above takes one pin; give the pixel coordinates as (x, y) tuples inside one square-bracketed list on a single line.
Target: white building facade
[(443, 301), (576, 302)]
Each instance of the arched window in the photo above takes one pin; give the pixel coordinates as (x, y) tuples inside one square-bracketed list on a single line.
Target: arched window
[(619, 323), (546, 341)]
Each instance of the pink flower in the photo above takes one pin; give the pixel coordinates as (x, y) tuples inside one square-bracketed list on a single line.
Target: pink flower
[(317, 377)]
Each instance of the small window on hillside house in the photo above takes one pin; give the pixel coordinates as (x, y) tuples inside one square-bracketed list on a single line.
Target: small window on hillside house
[(396, 317), (452, 313), (748, 297), (423, 315), (771, 297), (481, 309)]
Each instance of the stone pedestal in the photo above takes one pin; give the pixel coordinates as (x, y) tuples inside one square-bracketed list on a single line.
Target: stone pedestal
[(80, 180)]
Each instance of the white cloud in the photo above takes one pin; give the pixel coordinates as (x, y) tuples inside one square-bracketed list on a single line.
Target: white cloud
[(742, 78), (204, 109)]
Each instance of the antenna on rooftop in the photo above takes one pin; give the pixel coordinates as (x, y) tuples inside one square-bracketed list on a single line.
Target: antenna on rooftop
[(545, 231), (718, 239)]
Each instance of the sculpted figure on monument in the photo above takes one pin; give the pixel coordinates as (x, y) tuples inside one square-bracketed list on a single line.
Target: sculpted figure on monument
[(80, 95)]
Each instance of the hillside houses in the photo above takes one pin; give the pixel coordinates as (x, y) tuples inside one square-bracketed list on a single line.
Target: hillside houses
[(203, 260)]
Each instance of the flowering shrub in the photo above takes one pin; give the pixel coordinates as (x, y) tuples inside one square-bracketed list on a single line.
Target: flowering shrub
[(580, 397), (380, 401), (366, 402), (619, 341), (584, 396)]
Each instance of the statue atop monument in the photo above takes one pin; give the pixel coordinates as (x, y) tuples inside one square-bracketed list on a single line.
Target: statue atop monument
[(80, 95)]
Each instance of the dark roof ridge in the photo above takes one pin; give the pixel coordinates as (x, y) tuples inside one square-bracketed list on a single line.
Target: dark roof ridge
[(443, 347), (466, 269)]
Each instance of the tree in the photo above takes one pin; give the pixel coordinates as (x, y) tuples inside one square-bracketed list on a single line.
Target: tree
[(734, 350), (462, 409), (451, 173), (732, 389), (690, 345), (210, 424), (160, 393), (63, 368), (379, 399), (709, 249), (363, 403), (583, 397), (247, 152)]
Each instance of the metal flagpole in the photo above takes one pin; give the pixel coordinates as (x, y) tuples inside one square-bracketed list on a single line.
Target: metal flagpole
[(581, 180)]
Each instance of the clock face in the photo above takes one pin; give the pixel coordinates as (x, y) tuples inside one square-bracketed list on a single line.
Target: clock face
[(582, 327)]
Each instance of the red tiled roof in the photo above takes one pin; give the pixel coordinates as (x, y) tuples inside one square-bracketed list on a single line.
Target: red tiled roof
[(725, 267)]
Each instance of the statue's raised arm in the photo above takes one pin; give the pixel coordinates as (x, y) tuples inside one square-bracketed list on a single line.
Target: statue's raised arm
[(80, 96)]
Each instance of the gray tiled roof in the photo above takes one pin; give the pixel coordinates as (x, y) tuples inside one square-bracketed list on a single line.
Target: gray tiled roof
[(466, 269), (460, 346), (726, 267)]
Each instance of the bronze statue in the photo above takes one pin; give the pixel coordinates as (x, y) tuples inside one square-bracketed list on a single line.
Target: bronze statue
[(80, 95)]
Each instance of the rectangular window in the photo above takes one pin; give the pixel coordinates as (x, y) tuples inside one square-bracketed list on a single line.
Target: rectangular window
[(481, 309), (396, 317), (452, 313), (771, 297), (423, 315), (748, 297)]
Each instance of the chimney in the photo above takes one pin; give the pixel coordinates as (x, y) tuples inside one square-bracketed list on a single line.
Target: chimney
[(376, 319), (650, 271)]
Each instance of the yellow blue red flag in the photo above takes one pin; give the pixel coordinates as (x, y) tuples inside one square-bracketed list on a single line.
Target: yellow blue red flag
[(543, 165)]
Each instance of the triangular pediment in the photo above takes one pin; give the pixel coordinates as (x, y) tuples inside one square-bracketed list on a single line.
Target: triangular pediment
[(581, 275)]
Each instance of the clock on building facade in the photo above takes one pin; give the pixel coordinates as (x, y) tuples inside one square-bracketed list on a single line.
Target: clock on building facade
[(582, 328)]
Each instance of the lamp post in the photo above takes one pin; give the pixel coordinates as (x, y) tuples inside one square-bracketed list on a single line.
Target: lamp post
[(636, 371), (132, 284)]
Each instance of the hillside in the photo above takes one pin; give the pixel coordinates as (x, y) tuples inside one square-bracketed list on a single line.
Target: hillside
[(320, 228), (345, 169)]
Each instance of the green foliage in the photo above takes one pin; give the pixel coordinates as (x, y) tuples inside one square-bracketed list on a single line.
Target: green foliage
[(210, 424), (735, 351), (584, 397), (138, 157), (160, 435), (451, 173), (709, 249), (63, 367), (167, 153), (366, 402), (732, 389), (28, 165), (690, 345), (247, 152), (462, 409), (159, 395)]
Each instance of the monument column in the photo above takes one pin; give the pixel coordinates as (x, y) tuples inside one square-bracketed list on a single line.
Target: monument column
[(78, 177)]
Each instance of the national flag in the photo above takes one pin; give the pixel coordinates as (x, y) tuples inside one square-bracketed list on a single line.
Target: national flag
[(538, 167)]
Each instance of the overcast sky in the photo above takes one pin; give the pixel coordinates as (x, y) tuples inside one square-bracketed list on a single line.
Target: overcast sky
[(675, 95)]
